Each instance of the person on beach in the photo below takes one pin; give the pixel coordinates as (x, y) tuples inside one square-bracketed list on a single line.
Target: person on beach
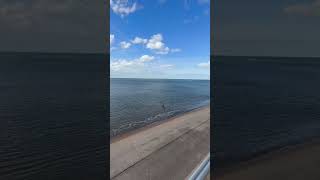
[(163, 107)]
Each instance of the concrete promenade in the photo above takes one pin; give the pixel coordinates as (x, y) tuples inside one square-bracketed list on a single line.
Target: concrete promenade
[(169, 150)]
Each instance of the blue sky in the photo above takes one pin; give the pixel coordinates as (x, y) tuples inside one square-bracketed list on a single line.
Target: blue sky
[(167, 39)]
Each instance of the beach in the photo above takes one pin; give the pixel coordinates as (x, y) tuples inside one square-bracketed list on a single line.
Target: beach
[(167, 150), (294, 163)]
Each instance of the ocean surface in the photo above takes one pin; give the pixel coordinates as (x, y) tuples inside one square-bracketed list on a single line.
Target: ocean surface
[(135, 103), (263, 104), (52, 116)]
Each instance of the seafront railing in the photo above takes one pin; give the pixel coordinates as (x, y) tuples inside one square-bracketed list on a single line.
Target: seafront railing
[(202, 170)]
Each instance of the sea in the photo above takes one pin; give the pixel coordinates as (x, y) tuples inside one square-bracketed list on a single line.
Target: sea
[(261, 104), (53, 121), (135, 103), (53, 110)]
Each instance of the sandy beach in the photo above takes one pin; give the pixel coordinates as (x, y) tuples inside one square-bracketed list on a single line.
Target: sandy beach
[(167, 150), (294, 163)]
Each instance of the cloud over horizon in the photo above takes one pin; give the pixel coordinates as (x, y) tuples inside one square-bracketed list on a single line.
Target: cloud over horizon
[(130, 65), (204, 65)]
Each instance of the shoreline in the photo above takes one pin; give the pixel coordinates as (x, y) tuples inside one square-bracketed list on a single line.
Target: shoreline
[(154, 124), (283, 160)]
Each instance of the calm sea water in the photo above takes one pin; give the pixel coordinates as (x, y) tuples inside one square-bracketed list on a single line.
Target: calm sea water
[(52, 116), (135, 103), (261, 104)]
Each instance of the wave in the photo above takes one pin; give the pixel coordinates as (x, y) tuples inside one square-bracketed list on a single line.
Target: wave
[(126, 127)]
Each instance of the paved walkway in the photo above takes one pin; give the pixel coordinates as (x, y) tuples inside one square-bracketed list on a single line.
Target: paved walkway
[(170, 150)]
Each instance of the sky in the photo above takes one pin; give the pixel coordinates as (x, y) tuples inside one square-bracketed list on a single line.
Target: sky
[(266, 28), (53, 26), (161, 39)]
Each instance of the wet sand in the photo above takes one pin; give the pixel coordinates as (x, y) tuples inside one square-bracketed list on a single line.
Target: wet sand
[(294, 163), (167, 150)]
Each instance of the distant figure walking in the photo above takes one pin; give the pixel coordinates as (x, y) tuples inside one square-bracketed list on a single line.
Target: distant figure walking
[(163, 107)]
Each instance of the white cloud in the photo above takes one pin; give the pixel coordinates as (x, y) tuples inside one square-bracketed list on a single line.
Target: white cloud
[(204, 65), (134, 65), (146, 58), (121, 64), (165, 50), (125, 45), (122, 7), (155, 43), (111, 38), (138, 40), (306, 9)]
